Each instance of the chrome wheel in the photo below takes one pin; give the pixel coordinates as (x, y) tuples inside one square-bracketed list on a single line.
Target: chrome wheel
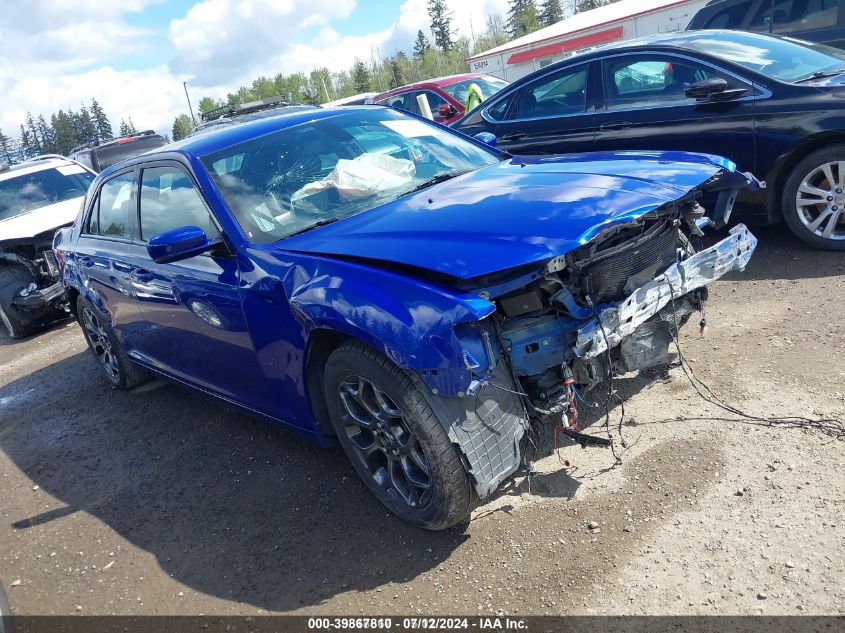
[(100, 342), (384, 443), (820, 201)]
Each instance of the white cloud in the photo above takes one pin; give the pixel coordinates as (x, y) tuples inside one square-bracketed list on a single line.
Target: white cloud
[(68, 33), (223, 42), (218, 39), (58, 53), (151, 97)]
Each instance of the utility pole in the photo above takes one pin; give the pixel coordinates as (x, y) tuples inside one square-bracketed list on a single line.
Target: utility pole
[(190, 108)]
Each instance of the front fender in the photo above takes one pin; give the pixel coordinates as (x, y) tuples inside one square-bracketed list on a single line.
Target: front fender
[(421, 327)]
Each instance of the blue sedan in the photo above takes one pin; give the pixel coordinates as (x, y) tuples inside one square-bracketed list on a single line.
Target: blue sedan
[(368, 277)]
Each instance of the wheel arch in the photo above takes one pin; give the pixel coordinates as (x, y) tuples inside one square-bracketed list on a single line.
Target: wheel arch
[(777, 177), (72, 296)]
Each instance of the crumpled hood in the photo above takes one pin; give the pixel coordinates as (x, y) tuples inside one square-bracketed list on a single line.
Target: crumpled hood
[(519, 211), (40, 220)]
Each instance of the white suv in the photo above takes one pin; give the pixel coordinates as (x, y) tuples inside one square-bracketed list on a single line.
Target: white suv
[(37, 198)]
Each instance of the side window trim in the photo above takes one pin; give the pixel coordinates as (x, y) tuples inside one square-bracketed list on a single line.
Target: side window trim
[(95, 208), (753, 88)]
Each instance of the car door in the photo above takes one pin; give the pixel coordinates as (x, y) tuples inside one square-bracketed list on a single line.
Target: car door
[(550, 115), (645, 108), (102, 252), (195, 325), (435, 100)]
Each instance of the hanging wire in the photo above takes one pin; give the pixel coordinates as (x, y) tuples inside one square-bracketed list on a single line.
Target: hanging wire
[(832, 427)]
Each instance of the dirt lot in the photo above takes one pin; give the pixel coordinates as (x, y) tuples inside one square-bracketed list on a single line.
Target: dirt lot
[(163, 501)]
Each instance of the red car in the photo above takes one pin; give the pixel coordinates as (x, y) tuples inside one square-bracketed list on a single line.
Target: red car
[(447, 96)]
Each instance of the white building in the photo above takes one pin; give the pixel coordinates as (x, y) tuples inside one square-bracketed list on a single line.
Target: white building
[(617, 22)]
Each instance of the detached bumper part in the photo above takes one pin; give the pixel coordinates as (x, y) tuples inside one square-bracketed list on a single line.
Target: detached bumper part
[(622, 319), (40, 298)]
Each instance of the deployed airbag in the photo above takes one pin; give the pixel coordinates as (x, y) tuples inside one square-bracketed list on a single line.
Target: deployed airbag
[(363, 176)]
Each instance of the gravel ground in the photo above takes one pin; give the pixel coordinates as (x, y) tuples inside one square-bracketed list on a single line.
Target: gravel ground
[(164, 501)]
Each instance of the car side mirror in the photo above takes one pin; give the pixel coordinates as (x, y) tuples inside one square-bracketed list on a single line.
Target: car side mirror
[(715, 88), (446, 109), (486, 137), (177, 244)]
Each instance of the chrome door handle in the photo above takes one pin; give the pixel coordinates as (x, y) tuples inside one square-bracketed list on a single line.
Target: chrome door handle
[(615, 125), (142, 274)]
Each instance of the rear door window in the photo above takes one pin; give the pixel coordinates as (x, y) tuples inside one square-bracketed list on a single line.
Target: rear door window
[(791, 16), (729, 17), (556, 94), (112, 210), (400, 102)]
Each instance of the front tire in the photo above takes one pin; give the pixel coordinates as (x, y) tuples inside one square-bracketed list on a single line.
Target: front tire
[(112, 359), (394, 439), (814, 199), (15, 322)]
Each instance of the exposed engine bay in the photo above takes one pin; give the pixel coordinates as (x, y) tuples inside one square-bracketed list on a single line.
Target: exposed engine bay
[(30, 288), (611, 306)]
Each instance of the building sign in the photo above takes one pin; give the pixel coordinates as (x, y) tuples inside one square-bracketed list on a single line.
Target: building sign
[(492, 64)]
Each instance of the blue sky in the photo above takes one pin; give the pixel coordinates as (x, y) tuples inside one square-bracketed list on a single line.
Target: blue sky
[(133, 55)]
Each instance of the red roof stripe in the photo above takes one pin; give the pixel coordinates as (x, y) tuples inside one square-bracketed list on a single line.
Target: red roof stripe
[(586, 28), (593, 39)]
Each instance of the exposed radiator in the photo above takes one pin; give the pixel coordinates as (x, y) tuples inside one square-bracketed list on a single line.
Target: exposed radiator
[(606, 274)]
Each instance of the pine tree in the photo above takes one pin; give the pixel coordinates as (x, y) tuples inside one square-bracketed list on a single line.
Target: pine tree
[(587, 5), (34, 142), (551, 12), (86, 130), (181, 126), (421, 45), (28, 146), (101, 122), (441, 24), (522, 17), (394, 79), (360, 76), (47, 135), (127, 128), (66, 136), (5, 148)]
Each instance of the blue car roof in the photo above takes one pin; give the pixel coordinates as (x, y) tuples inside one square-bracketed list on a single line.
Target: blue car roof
[(231, 135)]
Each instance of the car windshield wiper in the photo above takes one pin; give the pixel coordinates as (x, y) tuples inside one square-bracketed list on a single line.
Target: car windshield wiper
[(448, 175), (316, 224), (820, 74)]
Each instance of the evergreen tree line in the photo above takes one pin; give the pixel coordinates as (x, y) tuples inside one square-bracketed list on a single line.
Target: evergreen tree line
[(441, 54), (65, 130)]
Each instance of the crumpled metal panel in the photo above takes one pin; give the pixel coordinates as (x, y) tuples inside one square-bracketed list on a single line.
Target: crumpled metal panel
[(620, 320)]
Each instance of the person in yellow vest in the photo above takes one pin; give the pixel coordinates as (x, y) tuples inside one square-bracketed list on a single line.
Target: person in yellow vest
[(474, 97)]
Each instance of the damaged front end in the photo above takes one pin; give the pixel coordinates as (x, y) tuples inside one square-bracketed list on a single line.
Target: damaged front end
[(610, 306), (30, 287)]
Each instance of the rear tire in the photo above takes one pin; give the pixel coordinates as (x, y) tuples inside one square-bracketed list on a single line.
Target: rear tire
[(814, 199), (112, 359), (394, 439)]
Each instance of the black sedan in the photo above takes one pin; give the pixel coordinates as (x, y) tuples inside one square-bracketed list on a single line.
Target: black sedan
[(774, 106)]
